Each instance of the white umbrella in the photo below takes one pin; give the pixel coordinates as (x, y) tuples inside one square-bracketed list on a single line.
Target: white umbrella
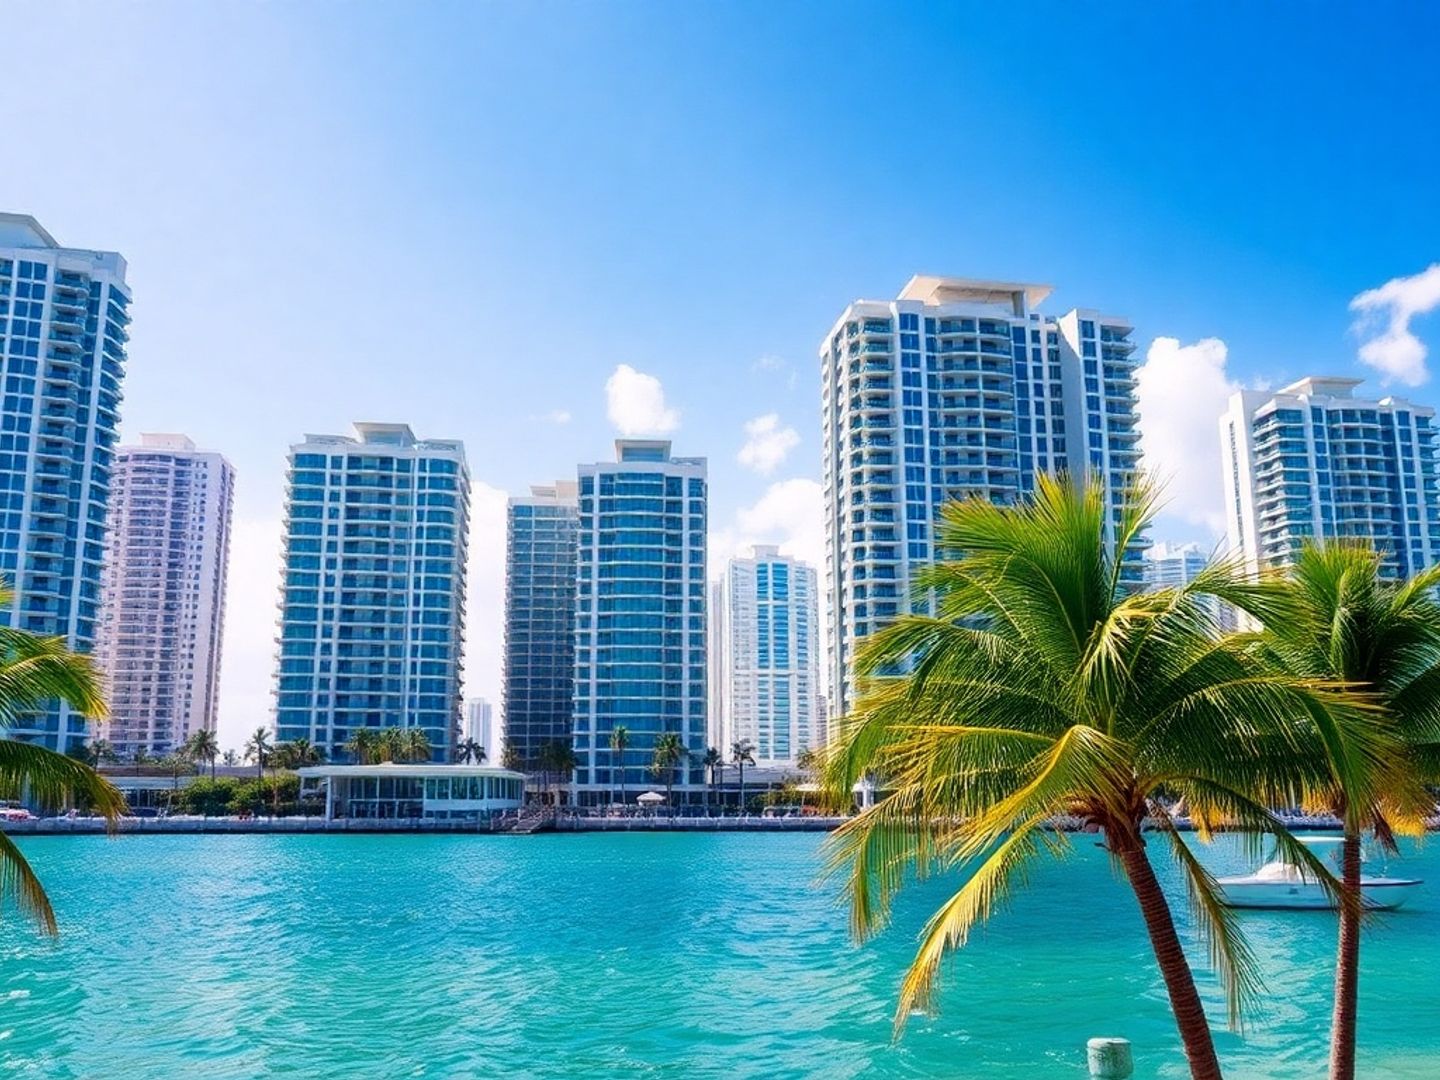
[(650, 798)]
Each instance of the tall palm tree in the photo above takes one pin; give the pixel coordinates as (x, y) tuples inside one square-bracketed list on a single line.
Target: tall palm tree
[(669, 753), (511, 758), (1044, 685), (742, 753), (468, 750), (560, 756), (258, 749), (619, 742), (204, 746), (362, 745), (414, 745), (33, 671), (1335, 616), (713, 762), (231, 758)]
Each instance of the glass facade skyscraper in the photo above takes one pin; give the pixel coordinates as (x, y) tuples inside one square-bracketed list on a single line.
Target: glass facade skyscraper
[(63, 319), (957, 388), (1313, 461), (539, 682), (372, 615), (772, 664), (640, 619), (166, 558)]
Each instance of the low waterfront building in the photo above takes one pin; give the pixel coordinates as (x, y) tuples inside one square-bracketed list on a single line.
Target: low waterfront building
[(428, 792)]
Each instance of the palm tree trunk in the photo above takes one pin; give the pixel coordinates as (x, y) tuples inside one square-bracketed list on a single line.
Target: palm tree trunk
[(1347, 964), (1174, 968)]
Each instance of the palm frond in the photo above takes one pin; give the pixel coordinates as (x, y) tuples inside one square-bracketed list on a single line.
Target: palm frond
[(1230, 955), (19, 882)]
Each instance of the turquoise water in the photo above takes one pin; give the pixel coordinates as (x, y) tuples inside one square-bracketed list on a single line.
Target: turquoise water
[(671, 955)]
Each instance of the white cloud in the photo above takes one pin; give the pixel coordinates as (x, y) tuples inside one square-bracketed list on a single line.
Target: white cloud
[(767, 444), (635, 403), (1384, 314), (1181, 391), (791, 514), (558, 416)]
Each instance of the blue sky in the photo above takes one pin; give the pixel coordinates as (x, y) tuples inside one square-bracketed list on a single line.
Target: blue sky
[(466, 216)]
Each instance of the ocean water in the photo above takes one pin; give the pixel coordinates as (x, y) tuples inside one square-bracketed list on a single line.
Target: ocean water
[(664, 955)]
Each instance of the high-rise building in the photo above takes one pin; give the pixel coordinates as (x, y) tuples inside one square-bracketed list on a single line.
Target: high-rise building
[(372, 614), (640, 656), (539, 680), (1313, 461), (163, 610), (480, 725), (772, 664), (63, 318), (957, 388)]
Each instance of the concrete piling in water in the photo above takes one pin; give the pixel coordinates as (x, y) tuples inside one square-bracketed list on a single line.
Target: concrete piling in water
[(1110, 1059)]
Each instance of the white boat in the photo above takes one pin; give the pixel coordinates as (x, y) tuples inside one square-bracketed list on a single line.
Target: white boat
[(1282, 884)]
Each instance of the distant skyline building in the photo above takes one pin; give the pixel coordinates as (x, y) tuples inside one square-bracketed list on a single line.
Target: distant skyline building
[(64, 314), (372, 616), (1171, 566), (163, 606), (771, 657), (480, 726), (957, 388), (539, 656), (641, 624), (1313, 461)]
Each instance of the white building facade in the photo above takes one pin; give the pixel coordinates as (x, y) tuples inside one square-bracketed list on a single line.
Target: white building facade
[(771, 658), (1314, 462), (640, 618), (167, 554), (64, 314), (372, 626), (956, 388), (480, 726)]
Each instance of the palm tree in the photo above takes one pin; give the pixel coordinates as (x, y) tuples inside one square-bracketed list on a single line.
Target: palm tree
[(468, 750), (1336, 617), (204, 746), (742, 753), (258, 749), (362, 746), (35, 670), (391, 745), (297, 754), (230, 758), (414, 745), (619, 742), (808, 761), (669, 752), (1045, 685), (101, 752), (714, 762), (559, 755), (511, 758)]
